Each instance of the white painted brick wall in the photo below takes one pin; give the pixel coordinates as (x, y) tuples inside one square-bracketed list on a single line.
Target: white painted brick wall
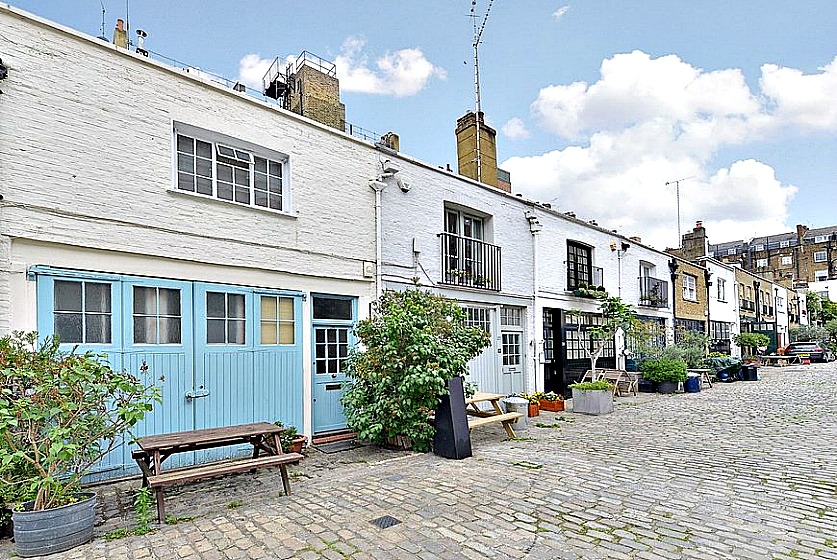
[(87, 160)]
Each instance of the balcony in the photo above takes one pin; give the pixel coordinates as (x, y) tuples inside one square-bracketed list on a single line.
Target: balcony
[(767, 310), (578, 275), (470, 263), (747, 305), (653, 292)]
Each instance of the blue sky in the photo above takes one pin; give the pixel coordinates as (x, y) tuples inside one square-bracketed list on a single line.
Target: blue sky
[(597, 103)]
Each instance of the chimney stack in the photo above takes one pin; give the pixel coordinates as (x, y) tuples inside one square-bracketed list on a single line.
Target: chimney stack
[(120, 36), (466, 148), (694, 244)]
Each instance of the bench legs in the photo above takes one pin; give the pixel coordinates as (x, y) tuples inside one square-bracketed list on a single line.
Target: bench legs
[(286, 481), (161, 505)]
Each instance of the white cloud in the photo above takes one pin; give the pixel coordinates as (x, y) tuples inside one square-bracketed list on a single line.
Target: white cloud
[(649, 120), (251, 70), (401, 73), (515, 129), (560, 12)]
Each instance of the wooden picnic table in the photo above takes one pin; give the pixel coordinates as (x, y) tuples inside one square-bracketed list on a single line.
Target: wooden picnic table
[(779, 360), (479, 417), (154, 450)]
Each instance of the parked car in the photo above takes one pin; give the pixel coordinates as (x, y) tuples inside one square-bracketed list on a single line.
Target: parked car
[(816, 351)]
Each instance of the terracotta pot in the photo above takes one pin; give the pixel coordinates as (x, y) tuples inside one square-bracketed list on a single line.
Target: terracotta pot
[(534, 410), (552, 406), (297, 443)]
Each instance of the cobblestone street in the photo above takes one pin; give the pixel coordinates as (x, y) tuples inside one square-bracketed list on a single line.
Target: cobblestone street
[(741, 470)]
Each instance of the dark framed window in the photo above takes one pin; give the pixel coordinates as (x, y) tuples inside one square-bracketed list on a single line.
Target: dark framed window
[(579, 265), (82, 312), (157, 315), (331, 308), (226, 318)]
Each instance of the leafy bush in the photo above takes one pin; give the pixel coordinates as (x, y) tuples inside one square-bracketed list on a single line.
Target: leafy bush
[(60, 412), (664, 369), (414, 343), (752, 340), (533, 398), (592, 386)]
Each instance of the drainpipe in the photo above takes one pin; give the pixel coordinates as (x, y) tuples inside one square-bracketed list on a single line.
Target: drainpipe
[(706, 275), (378, 186), (672, 267), (535, 228)]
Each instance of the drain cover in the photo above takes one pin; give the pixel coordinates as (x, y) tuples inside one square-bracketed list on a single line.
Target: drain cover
[(385, 521)]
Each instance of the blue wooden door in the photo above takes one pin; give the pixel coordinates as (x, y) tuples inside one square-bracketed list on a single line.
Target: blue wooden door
[(157, 346), (333, 318)]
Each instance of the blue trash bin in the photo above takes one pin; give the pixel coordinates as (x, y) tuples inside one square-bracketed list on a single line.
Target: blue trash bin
[(692, 384)]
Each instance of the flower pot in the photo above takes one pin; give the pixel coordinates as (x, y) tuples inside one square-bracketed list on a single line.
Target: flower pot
[(534, 410), (297, 443), (596, 402), (667, 387), (551, 406), (38, 533)]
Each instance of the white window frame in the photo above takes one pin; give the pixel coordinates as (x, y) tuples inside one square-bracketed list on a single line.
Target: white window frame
[(689, 287), (731, 251), (244, 153), (787, 260), (785, 243), (820, 256), (758, 247), (820, 275), (820, 239), (761, 263), (722, 289)]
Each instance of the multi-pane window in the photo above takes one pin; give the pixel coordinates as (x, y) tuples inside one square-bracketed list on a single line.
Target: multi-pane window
[(548, 335), (511, 349), (82, 312), (511, 316), (331, 349), (226, 318), (479, 317), (578, 339), (761, 262), (277, 320), (784, 244), (820, 239), (787, 260), (579, 265), (819, 256), (157, 315), (820, 275), (689, 284), (229, 173), (730, 251), (722, 289), (719, 330), (759, 247)]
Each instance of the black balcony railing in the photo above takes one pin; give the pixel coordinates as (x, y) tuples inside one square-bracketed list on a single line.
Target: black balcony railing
[(578, 275), (767, 310), (653, 292), (747, 305), (470, 262)]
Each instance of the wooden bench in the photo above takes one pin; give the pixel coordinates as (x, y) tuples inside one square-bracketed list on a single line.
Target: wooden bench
[(263, 436), (480, 417), (622, 381), (477, 421)]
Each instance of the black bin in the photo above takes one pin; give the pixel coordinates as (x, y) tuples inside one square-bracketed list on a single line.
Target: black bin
[(749, 372)]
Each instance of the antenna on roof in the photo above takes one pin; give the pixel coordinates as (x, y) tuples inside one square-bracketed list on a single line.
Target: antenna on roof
[(477, 95), (676, 183), (103, 37)]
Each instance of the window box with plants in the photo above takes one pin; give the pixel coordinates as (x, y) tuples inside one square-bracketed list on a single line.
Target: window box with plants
[(667, 373), (60, 413), (551, 402), (592, 397), (589, 291)]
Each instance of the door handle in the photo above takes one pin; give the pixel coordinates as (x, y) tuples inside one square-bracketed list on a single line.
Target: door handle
[(197, 394)]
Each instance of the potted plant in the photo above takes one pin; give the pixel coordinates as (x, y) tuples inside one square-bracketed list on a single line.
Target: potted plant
[(665, 372), (534, 403), (291, 440), (60, 413), (592, 397), (551, 402)]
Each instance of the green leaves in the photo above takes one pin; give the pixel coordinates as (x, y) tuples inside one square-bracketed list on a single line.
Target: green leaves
[(413, 344), (59, 413)]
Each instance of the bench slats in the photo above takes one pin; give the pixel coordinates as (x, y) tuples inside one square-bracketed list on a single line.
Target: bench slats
[(170, 478), (474, 421)]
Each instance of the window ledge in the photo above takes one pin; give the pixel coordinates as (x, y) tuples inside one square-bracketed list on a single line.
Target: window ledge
[(212, 199)]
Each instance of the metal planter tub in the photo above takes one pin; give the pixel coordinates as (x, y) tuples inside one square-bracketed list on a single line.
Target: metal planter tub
[(597, 401), (38, 533)]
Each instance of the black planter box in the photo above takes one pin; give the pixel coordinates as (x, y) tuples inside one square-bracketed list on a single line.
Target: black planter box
[(452, 439), (645, 386)]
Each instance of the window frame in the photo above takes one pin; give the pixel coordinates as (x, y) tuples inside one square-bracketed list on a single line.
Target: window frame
[(820, 275), (690, 288), (761, 263), (786, 260), (722, 289), (255, 152), (784, 244), (822, 254)]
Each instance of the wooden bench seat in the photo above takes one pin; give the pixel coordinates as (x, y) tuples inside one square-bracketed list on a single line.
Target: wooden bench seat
[(200, 472), (622, 381), (476, 421)]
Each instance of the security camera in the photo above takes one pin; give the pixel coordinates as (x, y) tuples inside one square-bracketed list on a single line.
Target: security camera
[(405, 187)]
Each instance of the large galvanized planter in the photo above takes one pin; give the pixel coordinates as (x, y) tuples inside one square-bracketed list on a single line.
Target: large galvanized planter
[(597, 401), (38, 533)]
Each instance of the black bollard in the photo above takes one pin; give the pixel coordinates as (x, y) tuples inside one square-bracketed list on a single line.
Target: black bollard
[(452, 439)]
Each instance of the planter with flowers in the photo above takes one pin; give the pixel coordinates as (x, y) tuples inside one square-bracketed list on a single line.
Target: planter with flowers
[(551, 402)]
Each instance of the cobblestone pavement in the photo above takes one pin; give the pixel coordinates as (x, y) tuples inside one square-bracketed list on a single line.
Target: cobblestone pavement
[(742, 470)]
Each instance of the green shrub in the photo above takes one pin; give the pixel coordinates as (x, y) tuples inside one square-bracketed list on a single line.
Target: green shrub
[(592, 386), (664, 369), (413, 344), (752, 340)]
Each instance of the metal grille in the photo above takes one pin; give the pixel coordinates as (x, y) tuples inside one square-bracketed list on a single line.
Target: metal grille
[(385, 521)]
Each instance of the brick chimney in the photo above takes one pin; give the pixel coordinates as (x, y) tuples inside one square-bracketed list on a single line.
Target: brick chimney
[(694, 243), (800, 232), (466, 148)]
